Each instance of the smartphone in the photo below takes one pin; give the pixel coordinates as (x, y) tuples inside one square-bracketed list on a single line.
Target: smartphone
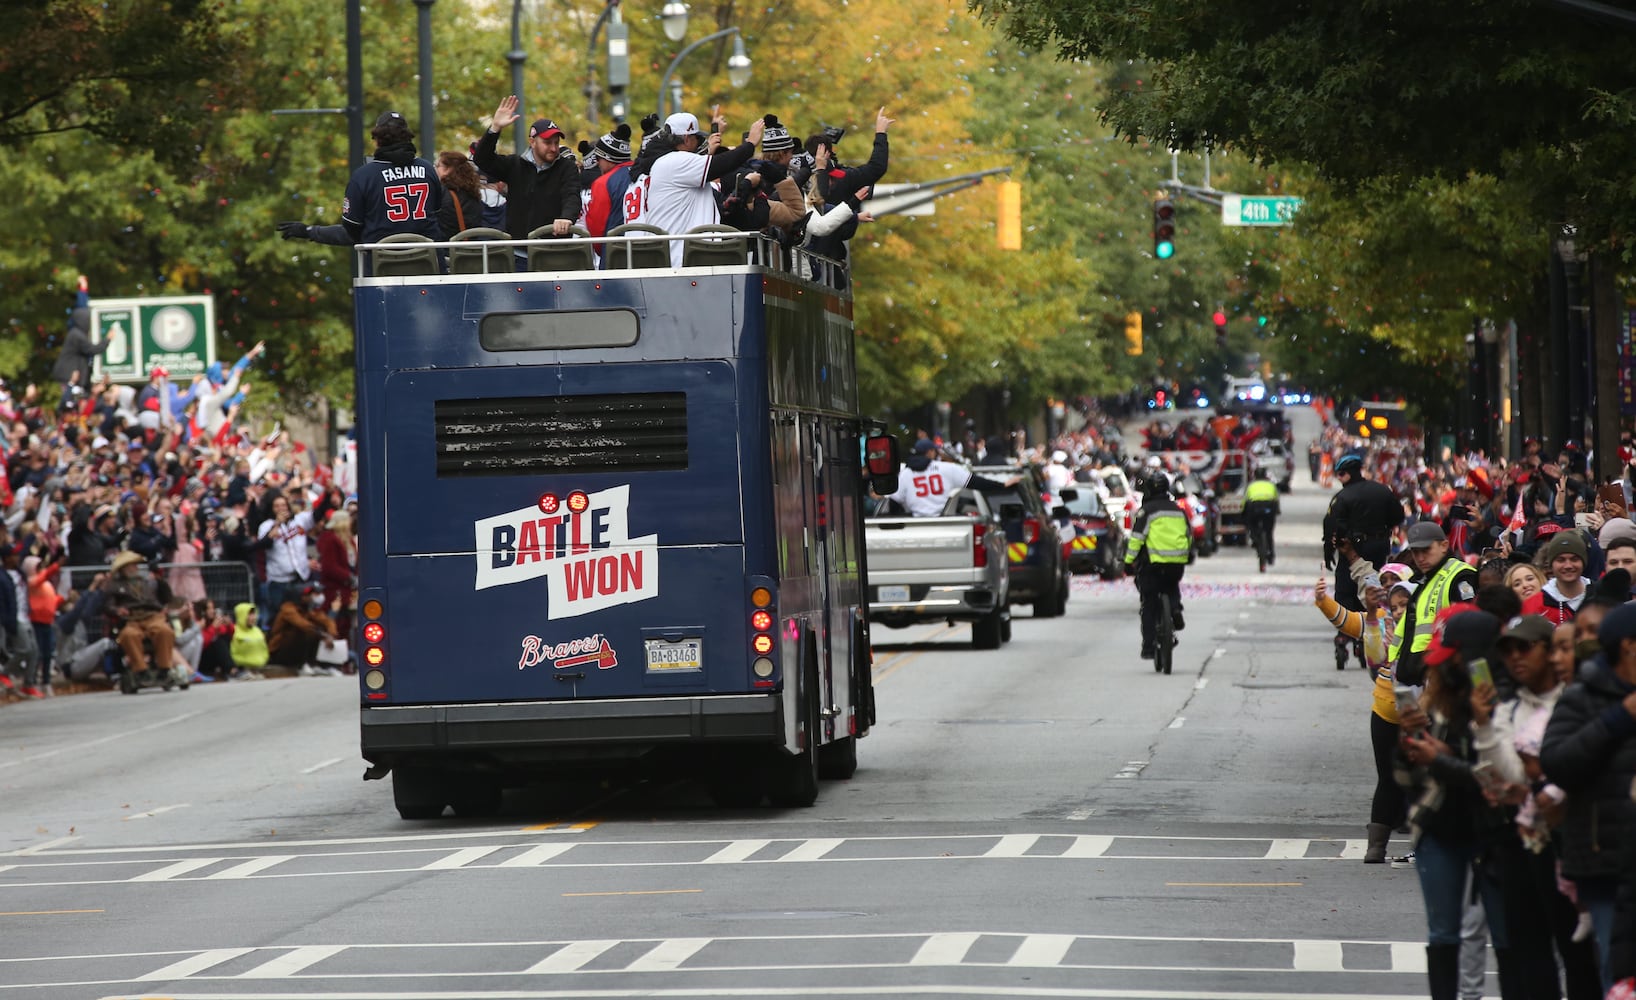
[(1407, 697), (1612, 493), (1459, 512), (1372, 580), (1480, 673)]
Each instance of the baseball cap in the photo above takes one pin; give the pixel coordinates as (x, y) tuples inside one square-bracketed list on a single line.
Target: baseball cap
[(388, 117), (925, 446), (683, 123), (1059, 456), (1425, 534), (545, 127), (1461, 629), (1528, 629)]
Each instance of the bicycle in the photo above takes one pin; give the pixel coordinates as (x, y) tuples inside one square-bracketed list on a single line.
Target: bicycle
[(1164, 637), (1259, 537)]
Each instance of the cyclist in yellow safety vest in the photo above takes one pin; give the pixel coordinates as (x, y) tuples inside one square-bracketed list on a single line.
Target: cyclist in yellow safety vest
[(1161, 541), (1442, 580), (1261, 509)]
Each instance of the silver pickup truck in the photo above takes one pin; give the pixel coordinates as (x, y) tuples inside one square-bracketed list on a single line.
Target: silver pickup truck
[(948, 568)]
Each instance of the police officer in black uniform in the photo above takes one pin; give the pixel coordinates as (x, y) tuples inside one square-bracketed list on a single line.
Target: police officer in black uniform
[(1364, 513), (395, 192)]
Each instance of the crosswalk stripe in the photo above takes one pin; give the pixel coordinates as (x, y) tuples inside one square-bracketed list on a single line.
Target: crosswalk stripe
[(459, 859), (738, 850), (538, 855), (247, 868), (1042, 950), (1287, 850), (1408, 956), (1318, 956), (1087, 847), (194, 965), (944, 949), (1013, 845), (570, 958), (812, 850), (170, 871), (1353, 850), (667, 956), (293, 961)]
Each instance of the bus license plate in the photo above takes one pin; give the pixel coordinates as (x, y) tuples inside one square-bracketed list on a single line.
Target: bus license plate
[(894, 595), (686, 654)]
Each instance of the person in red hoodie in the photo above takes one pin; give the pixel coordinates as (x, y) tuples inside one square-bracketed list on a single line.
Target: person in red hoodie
[(1565, 591), (43, 604)]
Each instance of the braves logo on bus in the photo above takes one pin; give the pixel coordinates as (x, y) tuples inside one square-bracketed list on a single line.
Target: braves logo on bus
[(587, 557), (585, 651)]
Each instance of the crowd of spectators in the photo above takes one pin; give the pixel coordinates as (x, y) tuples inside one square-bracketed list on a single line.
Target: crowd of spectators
[(1504, 708), (247, 536)]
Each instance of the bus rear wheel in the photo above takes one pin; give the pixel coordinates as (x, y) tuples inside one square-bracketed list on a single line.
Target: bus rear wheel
[(838, 760), (418, 793), (477, 798)]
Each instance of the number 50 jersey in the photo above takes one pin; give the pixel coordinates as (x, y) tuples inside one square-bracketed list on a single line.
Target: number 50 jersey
[(385, 197), (923, 492)]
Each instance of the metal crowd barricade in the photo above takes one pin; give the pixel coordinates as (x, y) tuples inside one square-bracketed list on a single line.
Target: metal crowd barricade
[(226, 583)]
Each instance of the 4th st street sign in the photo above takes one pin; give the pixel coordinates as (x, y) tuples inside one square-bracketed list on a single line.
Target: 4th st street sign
[(1257, 210), (175, 332)]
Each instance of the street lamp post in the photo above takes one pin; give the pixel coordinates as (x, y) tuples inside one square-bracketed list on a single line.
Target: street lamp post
[(516, 57), (738, 64), (593, 90), (423, 15)]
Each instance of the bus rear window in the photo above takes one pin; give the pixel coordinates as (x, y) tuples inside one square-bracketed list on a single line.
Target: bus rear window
[(558, 331), (644, 431)]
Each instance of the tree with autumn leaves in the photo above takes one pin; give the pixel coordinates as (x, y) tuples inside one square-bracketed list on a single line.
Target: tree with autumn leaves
[(189, 205)]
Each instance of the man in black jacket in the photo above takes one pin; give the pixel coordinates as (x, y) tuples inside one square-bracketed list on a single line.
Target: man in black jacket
[(1589, 752), (542, 185), (77, 350)]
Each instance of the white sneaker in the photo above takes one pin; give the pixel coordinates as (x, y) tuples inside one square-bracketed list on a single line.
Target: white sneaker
[(306, 671), (329, 671)]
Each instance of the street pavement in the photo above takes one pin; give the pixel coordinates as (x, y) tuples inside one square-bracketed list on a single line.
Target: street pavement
[(1049, 820)]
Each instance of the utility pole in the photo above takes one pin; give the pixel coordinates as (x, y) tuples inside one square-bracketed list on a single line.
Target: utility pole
[(428, 133), (355, 85)]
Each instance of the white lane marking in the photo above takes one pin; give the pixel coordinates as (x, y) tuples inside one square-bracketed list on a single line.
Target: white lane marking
[(294, 961), (1042, 950), (944, 949), (1199, 684), (459, 859), (537, 855), (1287, 850), (667, 956), (157, 812), (76, 748), (1318, 956), (6, 868), (170, 871), (1087, 847), (245, 869), (813, 850), (1178, 722), (1080, 814), (327, 842), (191, 966), (571, 958), (322, 764), (1409, 956), (738, 850), (45, 845), (1219, 653), (1131, 769), (1013, 845), (1353, 850)]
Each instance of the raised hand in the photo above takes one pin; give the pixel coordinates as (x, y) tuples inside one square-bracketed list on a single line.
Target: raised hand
[(881, 121), (505, 114)]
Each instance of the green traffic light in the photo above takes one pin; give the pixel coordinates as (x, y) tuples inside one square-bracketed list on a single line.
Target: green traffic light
[(1164, 249)]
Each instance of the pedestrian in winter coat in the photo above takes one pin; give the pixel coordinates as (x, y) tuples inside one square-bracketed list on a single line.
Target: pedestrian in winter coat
[(542, 185), (77, 349), (463, 202), (1590, 752)]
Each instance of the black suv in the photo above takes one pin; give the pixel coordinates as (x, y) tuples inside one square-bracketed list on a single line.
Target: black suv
[(1033, 535)]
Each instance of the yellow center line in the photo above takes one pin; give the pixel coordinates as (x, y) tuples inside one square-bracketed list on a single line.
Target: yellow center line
[(46, 913), (636, 892), (555, 824), (898, 665), (540, 828), (584, 826), (1236, 885)]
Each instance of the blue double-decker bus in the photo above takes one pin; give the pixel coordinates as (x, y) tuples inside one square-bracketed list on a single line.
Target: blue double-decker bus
[(608, 516)]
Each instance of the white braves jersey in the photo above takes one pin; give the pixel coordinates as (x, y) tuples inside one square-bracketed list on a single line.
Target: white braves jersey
[(676, 197), (924, 493)]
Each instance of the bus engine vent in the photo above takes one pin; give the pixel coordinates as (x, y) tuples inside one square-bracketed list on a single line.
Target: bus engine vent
[(642, 431)]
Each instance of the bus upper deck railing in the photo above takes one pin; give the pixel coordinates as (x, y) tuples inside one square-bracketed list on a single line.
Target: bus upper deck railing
[(492, 252)]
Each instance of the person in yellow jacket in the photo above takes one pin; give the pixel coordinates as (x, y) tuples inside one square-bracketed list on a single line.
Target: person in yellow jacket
[(1261, 510), (249, 644), (1388, 808), (1161, 540)]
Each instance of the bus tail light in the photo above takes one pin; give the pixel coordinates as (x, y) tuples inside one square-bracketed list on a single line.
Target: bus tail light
[(762, 644), (979, 551), (763, 619), (1031, 530), (374, 632), (373, 655)]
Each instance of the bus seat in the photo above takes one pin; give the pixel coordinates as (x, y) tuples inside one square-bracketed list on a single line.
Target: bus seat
[(638, 253), (470, 260), (410, 260), (725, 252), (570, 253)]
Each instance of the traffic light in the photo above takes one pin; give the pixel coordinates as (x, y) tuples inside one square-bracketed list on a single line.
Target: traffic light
[(1133, 333), (1164, 228), (1220, 319)]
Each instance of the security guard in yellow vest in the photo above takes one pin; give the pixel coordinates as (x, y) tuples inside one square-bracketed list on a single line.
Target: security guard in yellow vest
[(1161, 541), (1261, 508), (1442, 581)]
